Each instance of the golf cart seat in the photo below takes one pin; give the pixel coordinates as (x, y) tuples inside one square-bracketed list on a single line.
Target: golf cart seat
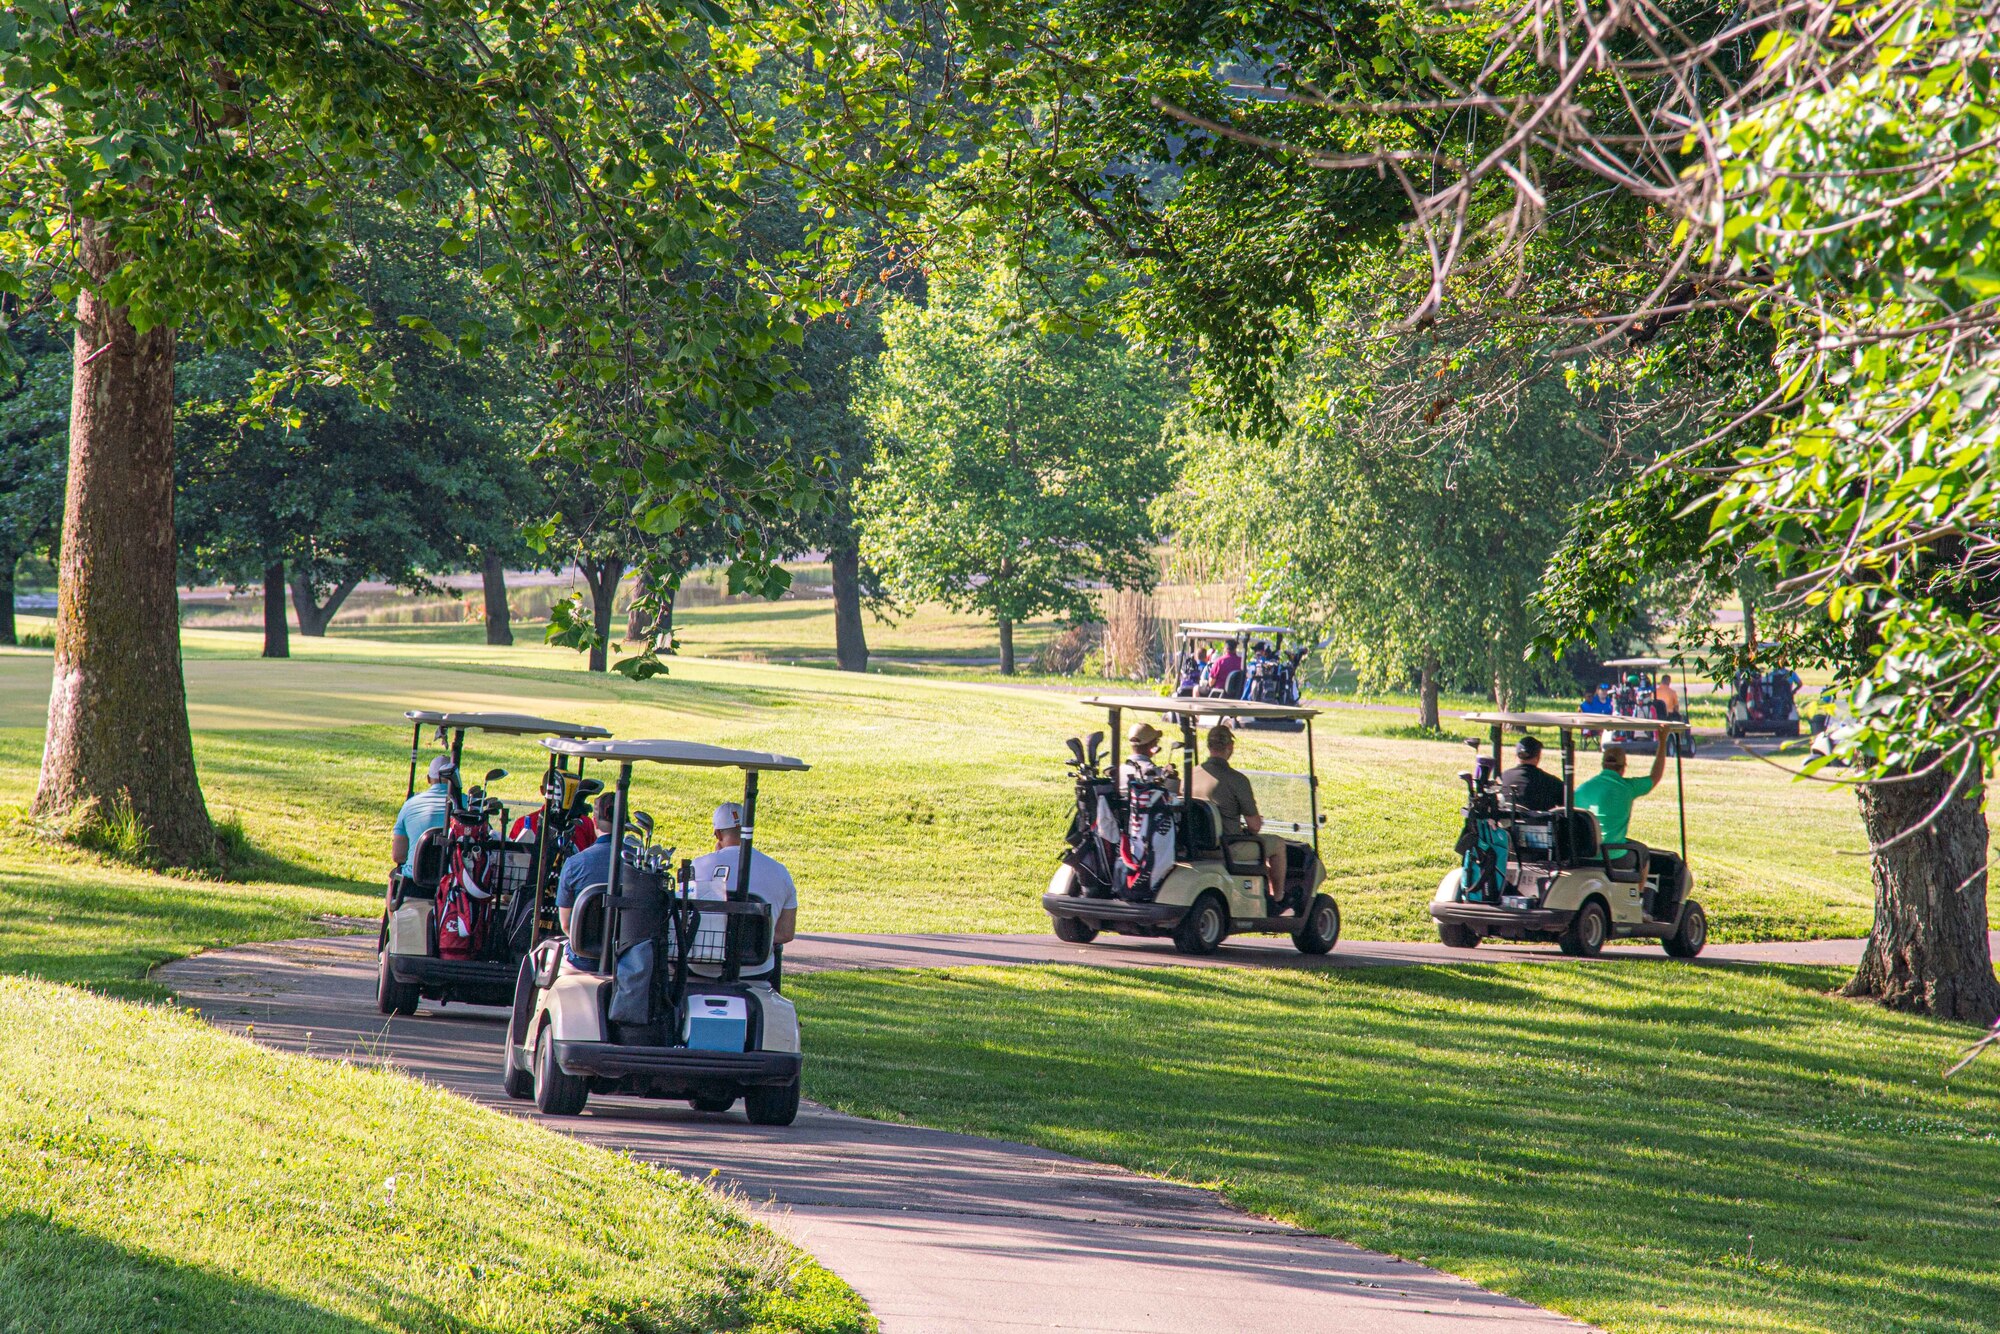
[(1232, 684), (433, 853), (1203, 826)]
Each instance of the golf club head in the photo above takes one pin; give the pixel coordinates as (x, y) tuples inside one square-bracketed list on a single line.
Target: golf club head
[(643, 823), (495, 775), (1096, 746), (1075, 749)]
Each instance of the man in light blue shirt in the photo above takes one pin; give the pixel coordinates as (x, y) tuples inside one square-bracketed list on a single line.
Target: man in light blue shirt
[(427, 809)]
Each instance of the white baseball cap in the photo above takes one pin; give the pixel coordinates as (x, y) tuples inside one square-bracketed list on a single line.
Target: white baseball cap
[(729, 815)]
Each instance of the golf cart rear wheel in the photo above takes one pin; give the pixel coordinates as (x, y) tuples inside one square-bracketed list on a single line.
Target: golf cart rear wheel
[(1458, 936), (712, 1102), (1075, 930), (519, 1082), (1204, 928), (556, 1093), (1688, 939), (1321, 931), (1588, 931), (391, 996), (773, 1105)]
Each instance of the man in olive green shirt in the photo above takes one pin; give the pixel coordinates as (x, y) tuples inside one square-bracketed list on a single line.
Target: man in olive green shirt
[(1609, 796), (1236, 801)]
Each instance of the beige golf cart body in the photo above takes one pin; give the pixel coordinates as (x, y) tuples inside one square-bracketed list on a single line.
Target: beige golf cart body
[(408, 966), (563, 1041), (1557, 866), (1208, 864)]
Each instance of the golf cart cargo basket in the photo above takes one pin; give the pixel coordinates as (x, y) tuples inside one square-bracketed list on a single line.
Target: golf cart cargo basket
[(515, 862), (729, 931)]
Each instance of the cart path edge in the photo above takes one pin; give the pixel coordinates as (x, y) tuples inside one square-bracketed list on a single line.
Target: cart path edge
[(940, 1233)]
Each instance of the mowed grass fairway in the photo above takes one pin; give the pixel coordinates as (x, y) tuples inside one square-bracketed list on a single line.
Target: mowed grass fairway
[(1646, 1145), (932, 805)]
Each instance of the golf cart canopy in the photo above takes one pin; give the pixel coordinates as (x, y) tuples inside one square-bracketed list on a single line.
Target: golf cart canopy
[(1643, 664), (1582, 722), (690, 753), (1229, 629), (507, 724), (1198, 707)]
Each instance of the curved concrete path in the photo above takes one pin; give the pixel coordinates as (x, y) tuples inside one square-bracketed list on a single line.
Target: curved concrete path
[(941, 1233)]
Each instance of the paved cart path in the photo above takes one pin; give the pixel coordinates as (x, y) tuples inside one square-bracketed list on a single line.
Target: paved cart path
[(941, 1233)]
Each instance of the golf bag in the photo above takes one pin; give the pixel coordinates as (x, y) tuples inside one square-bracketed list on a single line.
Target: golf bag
[(1146, 852), (465, 894), (1483, 842)]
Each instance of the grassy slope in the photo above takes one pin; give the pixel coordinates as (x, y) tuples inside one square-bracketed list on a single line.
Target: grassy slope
[(1652, 1147), (156, 1175), (931, 805)]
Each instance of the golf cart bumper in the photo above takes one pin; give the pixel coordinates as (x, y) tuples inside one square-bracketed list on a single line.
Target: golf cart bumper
[(1113, 912), (476, 982), (1492, 920), (610, 1060)]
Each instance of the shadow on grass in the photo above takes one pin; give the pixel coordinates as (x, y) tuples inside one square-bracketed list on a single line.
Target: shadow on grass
[(56, 1279)]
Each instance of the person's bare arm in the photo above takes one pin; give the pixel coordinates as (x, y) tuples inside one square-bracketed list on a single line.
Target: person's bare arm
[(399, 847), (1254, 823), (562, 919), (787, 926)]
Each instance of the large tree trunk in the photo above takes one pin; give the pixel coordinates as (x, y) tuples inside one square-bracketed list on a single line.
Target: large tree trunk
[(639, 621), (850, 639), (277, 634), (1427, 694), (1006, 645), (602, 579), (1749, 624), (7, 632), (315, 616), (1929, 950), (118, 726), (499, 627)]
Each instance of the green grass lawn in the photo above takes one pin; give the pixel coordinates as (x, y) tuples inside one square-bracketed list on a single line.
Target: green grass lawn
[(158, 1175), (1644, 1145), (931, 806)]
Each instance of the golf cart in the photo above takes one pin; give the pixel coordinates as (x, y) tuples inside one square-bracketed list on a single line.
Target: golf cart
[(1764, 702), (1144, 863), (1544, 875), (657, 1006), (1635, 694), (1270, 674), (491, 892)]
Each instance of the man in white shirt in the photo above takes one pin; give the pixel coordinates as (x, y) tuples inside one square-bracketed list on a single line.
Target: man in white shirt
[(716, 873)]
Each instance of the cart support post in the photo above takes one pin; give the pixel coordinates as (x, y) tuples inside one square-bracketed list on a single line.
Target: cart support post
[(457, 779), (731, 970), (1117, 740), (1312, 785), (416, 741), (1569, 773), (1680, 800), (607, 965), (552, 792), (1188, 742)]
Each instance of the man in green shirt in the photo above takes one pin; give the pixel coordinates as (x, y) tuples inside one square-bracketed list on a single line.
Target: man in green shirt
[(1609, 796), (1218, 781)]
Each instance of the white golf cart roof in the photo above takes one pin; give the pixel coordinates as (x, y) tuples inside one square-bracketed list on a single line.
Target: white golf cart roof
[(1654, 663), (1230, 629), (1581, 722), (1201, 708), (690, 753), (508, 724)]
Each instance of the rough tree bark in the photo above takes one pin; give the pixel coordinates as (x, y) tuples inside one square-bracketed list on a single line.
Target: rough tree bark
[(850, 639), (639, 622), (1006, 645), (1929, 950), (315, 616), (1427, 693), (602, 576), (499, 626), (277, 633), (118, 726), (7, 632)]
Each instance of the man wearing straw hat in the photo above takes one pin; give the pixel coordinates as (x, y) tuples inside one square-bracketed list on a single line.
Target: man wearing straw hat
[(1142, 763)]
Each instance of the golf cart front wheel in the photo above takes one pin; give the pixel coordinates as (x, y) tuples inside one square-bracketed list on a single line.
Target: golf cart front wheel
[(556, 1093), (1075, 930), (1321, 931), (391, 996), (1458, 936), (1204, 928), (772, 1105), (1692, 934), (1588, 931)]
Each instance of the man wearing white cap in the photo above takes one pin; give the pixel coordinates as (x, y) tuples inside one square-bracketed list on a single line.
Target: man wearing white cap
[(716, 873), (424, 810)]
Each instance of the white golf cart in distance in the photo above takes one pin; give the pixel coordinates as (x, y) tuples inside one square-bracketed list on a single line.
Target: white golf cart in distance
[(1192, 882), (1544, 875), (408, 965), (1269, 680), (1636, 695), (660, 1008)]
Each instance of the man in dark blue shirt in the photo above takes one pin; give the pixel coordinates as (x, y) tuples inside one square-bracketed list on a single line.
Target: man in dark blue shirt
[(592, 866)]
